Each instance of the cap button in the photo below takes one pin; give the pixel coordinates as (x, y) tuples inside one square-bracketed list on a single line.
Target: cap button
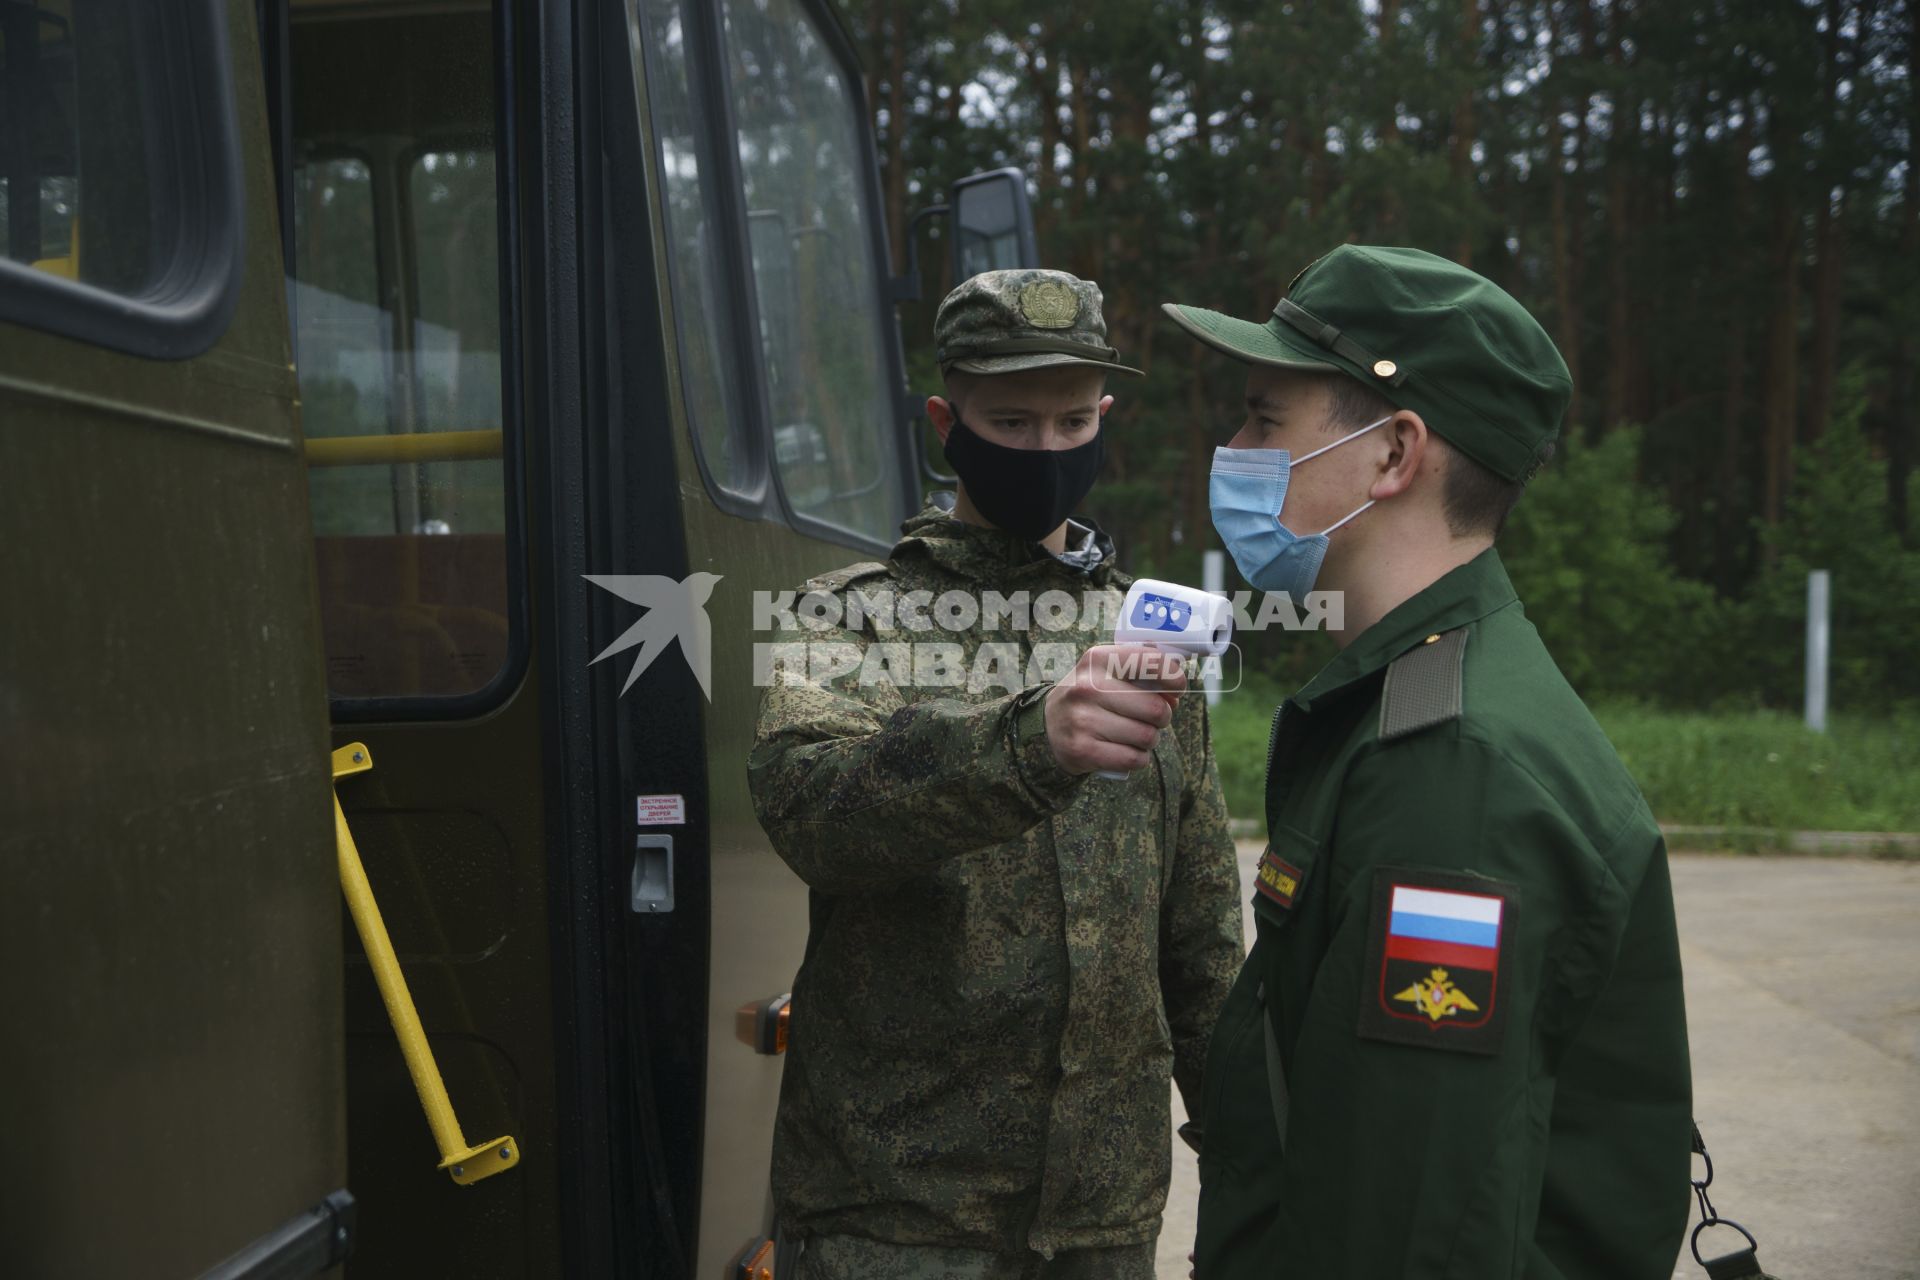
[(1385, 368), (1432, 638)]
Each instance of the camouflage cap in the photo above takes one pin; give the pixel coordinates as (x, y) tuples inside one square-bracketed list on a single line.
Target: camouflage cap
[(1428, 334), (1026, 318)]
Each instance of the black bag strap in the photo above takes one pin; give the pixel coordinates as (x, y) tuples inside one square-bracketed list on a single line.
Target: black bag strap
[(1741, 1264)]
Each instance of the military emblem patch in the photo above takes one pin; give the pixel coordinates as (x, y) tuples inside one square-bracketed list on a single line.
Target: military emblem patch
[(1277, 879), (1048, 304), (1437, 943)]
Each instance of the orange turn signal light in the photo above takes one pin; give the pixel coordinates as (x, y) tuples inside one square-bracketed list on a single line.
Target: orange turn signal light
[(756, 1262), (762, 1027)]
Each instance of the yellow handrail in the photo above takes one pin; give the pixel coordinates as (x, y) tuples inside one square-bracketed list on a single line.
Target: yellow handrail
[(465, 1164), (413, 446)]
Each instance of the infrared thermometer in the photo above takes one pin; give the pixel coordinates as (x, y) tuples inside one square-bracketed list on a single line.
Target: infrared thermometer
[(1173, 619)]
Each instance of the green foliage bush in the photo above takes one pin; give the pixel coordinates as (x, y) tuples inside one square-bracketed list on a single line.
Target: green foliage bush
[(1587, 550), (1835, 519)]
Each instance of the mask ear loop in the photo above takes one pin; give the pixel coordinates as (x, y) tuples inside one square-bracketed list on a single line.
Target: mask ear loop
[(1355, 435), (1335, 445), (1350, 515)]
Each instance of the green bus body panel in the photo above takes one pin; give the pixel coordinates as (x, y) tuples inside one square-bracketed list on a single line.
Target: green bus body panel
[(174, 1005), (759, 905)]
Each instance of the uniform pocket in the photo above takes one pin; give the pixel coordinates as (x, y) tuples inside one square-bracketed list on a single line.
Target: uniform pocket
[(1222, 1130)]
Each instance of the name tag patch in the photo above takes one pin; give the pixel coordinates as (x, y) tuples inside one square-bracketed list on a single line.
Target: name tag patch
[(1436, 947), (1277, 879)]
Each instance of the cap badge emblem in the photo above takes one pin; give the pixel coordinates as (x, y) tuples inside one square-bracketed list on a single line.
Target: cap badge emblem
[(1048, 304)]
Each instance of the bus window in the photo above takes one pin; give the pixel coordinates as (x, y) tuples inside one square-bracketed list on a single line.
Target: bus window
[(344, 338), (112, 177), (836, 432), (40, 146), (704, 316), (451, 199), (396, 299)]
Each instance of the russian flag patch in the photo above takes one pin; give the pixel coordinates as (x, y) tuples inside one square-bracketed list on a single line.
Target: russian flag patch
[(1435, 949)]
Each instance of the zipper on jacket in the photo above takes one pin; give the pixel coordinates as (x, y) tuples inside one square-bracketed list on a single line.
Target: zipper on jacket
[(1273, 742)]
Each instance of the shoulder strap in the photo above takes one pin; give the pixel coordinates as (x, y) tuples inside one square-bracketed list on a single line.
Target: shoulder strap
[(1424, 686), (842, 578)]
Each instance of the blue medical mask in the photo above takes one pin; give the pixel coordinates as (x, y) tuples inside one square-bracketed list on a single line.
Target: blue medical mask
[(1247, 490)]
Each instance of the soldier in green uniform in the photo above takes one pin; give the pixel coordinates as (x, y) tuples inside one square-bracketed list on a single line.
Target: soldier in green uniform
[(1008, 958), (1458, 1048)]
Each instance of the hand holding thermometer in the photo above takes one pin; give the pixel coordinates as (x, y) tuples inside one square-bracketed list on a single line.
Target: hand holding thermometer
[(1173, 619)]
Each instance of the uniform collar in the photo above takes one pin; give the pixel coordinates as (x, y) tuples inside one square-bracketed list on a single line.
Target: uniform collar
[(1460, 596), (996, 556)]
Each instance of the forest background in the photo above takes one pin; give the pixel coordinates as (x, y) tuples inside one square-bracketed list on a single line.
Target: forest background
[(1714, 208)]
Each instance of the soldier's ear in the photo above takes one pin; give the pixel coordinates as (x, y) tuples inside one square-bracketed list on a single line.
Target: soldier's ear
[(941, 414), (1106, 403), (1407, 440)]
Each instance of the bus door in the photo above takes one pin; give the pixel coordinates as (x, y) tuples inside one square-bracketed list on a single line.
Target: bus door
[(393, 124)]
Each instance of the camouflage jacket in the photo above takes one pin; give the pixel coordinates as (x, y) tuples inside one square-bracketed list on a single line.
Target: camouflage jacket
[(1005, 961)]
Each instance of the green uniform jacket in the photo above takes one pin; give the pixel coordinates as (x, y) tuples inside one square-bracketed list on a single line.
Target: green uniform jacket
[(1005, 962), (1467, 962)]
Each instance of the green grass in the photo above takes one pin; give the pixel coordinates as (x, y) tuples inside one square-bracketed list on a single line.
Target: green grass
[(1765, 769), (1759, 770)]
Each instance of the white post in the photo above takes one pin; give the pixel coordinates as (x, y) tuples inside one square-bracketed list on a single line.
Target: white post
[(1819, 642), (1213, 579)]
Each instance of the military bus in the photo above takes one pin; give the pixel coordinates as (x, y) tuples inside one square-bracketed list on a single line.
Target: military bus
[(373, 374)]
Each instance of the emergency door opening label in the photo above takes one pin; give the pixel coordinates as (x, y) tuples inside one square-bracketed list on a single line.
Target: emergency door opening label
[(662, 811)]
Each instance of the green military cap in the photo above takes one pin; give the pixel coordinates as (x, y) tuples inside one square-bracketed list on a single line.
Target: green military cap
[(1026, 318), (1426, 333)]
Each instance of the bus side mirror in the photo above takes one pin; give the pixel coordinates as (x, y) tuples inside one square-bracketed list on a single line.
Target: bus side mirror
[(992, 229), (992, 224)]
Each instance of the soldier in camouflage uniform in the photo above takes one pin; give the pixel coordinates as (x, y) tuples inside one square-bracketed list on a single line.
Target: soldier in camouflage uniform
[(1008, 957)]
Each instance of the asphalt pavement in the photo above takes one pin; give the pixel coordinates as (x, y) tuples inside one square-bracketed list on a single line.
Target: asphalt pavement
[(1803, 1008)]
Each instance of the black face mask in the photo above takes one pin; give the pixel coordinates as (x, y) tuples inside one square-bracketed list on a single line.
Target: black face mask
[(1030, 492)]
